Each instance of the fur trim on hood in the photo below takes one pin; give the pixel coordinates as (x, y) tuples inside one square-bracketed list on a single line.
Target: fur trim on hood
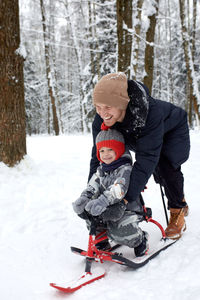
[(139, 104)]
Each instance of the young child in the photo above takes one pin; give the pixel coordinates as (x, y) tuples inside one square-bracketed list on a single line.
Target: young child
[(105, 192)]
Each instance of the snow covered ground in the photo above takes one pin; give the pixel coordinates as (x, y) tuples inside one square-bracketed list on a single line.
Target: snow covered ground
[(38, 226)]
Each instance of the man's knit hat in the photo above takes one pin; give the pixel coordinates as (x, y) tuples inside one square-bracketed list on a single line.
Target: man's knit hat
[(111, 90), (110, 138)]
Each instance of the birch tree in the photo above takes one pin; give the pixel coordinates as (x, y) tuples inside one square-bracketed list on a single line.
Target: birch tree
[(137, 27), (48, 70), (79, 64)]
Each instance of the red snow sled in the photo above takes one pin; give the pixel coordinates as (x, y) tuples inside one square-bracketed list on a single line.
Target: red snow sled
[(94, 254)]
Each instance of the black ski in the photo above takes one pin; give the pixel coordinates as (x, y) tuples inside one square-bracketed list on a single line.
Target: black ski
[(139, 262), (134, 263)]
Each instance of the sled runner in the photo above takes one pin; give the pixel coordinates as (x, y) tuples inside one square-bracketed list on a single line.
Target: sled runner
[(93, 254)]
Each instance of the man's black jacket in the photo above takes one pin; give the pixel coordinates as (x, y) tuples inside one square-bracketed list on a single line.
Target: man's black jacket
[(151, 127)]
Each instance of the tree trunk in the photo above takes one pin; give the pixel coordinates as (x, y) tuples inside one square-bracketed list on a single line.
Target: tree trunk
[(12, 108), (192, 97), (189, 61), (55, 71), (92, 60), (84, 125), (194, 25), (124, 18), (48, 72), (137, 38), (170, 76), (149, 50)]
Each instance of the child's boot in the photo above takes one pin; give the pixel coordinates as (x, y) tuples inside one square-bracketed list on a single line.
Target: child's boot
[(103, 245), (143, 248)]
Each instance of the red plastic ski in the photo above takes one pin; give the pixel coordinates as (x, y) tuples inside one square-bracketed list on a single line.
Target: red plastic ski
[(85, 279)]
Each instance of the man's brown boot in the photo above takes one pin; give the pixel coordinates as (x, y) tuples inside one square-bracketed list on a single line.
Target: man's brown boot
[(176, 224), (186, 209)]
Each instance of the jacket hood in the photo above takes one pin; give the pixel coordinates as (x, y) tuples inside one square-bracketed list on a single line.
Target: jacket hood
[(127, 155)]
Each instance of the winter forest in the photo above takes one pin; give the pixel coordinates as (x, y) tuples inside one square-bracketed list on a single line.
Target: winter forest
[(63, 47), (52, 53)]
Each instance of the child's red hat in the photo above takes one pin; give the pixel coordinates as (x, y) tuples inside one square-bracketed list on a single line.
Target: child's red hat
[(110, 138)]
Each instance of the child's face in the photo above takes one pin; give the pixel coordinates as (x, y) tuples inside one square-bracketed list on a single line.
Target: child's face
[(107, 155)]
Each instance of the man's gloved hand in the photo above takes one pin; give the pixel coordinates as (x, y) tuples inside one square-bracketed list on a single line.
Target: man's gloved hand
[(114, 212), (97, 206), (79, 204)]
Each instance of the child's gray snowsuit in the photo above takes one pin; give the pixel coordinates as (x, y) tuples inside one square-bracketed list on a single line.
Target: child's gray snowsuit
[(113, 185)]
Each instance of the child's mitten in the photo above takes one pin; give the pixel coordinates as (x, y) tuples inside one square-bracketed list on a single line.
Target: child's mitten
[(79, 204)]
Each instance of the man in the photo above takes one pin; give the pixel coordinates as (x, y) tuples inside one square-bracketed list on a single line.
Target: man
[(157, 131)]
